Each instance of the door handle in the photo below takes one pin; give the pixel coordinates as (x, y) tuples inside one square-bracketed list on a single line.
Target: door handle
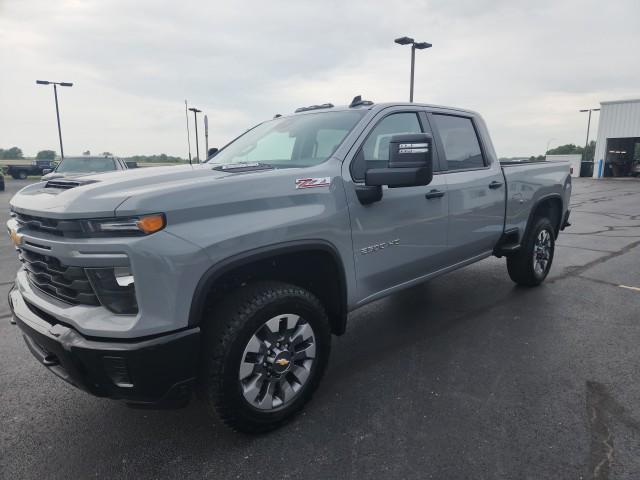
[(434, 194), (494, 185)]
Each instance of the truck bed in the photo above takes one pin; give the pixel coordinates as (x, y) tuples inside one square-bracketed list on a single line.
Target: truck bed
[(528, 183)]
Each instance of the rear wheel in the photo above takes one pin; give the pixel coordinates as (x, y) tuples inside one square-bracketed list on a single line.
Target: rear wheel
[(531, 264), (266, 348)]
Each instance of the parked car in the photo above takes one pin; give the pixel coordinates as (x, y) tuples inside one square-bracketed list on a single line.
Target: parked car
[(229, 277), (36, 167), (78, 166)]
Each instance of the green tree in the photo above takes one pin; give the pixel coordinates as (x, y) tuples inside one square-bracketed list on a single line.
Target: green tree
[(46, 155), (12, 153), (571, 149), (568, 149), (162, 158)]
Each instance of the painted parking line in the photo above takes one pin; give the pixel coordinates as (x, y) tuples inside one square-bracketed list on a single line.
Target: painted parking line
[(635, 289)]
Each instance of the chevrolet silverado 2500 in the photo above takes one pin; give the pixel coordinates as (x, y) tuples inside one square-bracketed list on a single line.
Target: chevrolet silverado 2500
[(229, 278)]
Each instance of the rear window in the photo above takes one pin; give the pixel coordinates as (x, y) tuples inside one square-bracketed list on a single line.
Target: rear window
[(460, 142)]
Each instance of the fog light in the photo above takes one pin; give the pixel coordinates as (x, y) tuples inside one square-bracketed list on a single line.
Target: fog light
[(124, 278), (115, 289)]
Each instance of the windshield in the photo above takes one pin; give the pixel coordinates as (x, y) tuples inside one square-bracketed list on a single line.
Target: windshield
[(298, 141), (86, 165)]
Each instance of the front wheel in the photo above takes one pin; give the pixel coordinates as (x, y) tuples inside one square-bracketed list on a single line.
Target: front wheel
[(22, 175), (266, 349), (531, 264)]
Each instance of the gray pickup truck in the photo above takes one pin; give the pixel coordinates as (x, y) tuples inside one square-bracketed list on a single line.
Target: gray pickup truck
[(228, 278)]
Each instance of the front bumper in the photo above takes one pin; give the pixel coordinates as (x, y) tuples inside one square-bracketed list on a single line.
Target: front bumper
[(154, 371)]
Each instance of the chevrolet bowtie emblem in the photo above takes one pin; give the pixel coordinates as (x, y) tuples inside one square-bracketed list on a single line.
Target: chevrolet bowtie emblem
[(283, 362), (16, 238)]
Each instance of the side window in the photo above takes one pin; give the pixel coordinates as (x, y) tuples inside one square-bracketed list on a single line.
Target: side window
[(374, 152), (460, 142)]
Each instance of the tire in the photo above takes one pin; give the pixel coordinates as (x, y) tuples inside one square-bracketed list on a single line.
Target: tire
[(22, 175), (241, 355), (528, 266)]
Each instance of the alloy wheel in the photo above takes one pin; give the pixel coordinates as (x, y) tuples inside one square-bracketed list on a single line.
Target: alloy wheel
[(542, 252), (277, 361)]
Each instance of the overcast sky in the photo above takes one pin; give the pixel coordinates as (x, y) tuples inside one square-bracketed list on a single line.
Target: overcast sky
[(527, 66)]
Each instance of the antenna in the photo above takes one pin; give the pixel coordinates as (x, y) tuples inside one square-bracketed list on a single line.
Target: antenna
[(186, 116), (357, 101)]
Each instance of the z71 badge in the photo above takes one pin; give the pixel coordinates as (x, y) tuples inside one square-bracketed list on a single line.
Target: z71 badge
[(313, 182)]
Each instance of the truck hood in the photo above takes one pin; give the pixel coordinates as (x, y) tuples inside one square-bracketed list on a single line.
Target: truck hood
[(100, 195)]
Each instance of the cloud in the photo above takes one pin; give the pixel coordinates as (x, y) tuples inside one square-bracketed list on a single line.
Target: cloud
[(527, 67)]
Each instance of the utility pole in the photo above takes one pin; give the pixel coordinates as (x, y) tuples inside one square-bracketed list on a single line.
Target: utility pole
[(195, 118)]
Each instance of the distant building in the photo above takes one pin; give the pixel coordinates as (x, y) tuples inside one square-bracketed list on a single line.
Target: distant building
[(618, 142)]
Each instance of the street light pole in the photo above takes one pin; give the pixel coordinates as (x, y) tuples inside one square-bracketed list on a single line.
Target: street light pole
[(195, 118), (413, 68), (186, 116), (414, 45), (586, 143), (55, 96), (206, 137)]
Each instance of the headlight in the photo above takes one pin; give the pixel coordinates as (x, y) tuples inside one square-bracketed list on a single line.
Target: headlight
[(115, 289), (143, 225)]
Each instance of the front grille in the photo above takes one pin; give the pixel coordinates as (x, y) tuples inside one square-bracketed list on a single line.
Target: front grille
[(69, 284), (60, 228)]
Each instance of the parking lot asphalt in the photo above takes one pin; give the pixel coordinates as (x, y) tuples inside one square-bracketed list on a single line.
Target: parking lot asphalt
[(467, 376)]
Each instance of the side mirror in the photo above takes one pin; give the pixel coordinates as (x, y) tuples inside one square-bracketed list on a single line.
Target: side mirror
[(410, 162), (212, 152), (46, 170)]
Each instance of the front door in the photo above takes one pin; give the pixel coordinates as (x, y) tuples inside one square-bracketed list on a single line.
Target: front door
[(401, 237)]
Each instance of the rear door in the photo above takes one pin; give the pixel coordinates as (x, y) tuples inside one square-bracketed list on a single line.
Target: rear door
[(401, 237), (475, 186)]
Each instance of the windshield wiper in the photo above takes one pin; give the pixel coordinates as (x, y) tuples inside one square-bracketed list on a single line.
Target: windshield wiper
[(243, 167)]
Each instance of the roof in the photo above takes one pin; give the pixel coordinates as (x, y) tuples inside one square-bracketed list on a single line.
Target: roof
[(630, 100), (380, 106)]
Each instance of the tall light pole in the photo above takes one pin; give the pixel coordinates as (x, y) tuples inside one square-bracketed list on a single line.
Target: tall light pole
[(414, 46), (195, 117), (186, 116), (55, 95), (586, 143), (206, 137)]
